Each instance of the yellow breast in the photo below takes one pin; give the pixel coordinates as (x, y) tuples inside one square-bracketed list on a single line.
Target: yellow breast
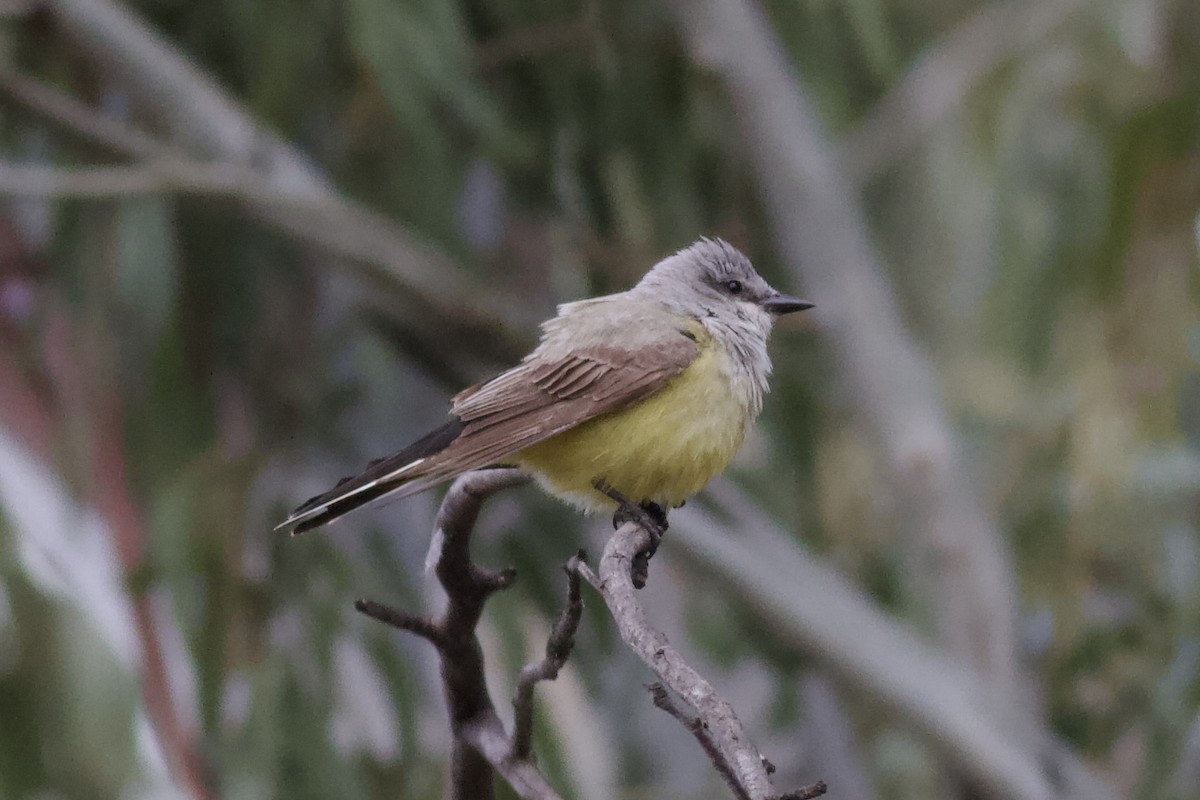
[(663, 448)]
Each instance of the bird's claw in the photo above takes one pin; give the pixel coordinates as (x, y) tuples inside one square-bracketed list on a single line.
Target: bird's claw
[(649, 516)]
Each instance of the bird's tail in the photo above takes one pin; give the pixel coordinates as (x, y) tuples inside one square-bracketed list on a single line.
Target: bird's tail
[(383, 476)]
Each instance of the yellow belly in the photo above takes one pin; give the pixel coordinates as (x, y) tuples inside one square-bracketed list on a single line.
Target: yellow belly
[(663, 448)]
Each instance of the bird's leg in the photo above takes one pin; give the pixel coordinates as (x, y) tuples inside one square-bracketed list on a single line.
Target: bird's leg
[(657, 513), (649, 516)]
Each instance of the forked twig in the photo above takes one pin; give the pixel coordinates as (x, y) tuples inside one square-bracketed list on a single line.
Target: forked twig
[(697, 728), (739, 762), (558, 648), (481, 745)]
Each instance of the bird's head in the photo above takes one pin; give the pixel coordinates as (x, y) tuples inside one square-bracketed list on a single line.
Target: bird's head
[(712, 279)]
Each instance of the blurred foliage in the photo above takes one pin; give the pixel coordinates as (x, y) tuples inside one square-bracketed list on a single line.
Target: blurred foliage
[(208, 372)]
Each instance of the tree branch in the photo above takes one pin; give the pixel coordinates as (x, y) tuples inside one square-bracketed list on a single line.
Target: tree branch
[(695, 726), (422, 626), (615, 584), (558, 648), (807, 793), (481, 745)]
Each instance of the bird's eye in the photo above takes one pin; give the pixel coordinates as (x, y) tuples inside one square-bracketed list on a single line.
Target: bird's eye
[(734, 287)]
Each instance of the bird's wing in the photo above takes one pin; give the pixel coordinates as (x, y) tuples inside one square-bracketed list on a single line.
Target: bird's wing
[(544, 397), (531, 402)]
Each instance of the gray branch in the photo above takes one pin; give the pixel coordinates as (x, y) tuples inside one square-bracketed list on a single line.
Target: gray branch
[(481, 745), (696, 727), (615, 584)]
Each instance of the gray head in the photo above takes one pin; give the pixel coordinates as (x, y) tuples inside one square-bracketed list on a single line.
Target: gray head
[(717, 285), (711, 279)]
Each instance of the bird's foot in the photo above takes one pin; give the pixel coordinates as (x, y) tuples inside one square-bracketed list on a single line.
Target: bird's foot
[(649, 516)]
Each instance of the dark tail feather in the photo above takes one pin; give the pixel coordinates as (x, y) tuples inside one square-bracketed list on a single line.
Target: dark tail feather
[(382, 476)]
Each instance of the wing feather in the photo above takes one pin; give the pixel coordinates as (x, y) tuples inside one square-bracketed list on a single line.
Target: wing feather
[(553, 390), (537, 400)]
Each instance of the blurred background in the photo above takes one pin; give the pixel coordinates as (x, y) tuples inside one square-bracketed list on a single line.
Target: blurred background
[(247, 246)]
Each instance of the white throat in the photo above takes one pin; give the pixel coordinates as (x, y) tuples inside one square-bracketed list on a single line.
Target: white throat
[(742, 334)]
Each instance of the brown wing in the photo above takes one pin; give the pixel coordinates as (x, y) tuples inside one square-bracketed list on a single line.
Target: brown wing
[(517, 409), (541, 398)]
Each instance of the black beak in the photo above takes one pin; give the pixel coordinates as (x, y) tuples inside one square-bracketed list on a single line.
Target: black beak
[(784, 304)]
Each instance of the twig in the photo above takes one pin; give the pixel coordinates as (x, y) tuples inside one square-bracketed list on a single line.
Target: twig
[(615, 584), (481, 744), (806, 793), (558, 648), (421, 626), (695, 726)]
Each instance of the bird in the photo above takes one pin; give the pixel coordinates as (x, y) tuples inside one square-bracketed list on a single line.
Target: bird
[(630, 403)]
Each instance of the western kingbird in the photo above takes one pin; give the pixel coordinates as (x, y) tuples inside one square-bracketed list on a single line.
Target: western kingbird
[(641, 396)]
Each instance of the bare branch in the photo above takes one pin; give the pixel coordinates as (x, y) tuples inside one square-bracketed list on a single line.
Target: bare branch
[(558, 648), (481, 745), (807, 793), (468, 584), (695, 726), (480, 742), (615, 584), (487, 737), (421, 626)]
